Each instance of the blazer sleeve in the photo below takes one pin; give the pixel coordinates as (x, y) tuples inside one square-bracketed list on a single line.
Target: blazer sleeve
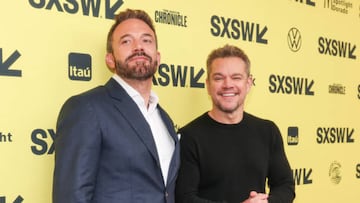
[(77, 150)]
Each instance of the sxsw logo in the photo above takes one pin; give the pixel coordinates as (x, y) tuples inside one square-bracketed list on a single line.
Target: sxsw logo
[(302, 176), (85, 7), (18, 199), (7, 62), (307, 2), (238, 29), (43, 141), (80, 67), (332, 135), (336, 48), (291, 85), (178, 76), (293, 135)]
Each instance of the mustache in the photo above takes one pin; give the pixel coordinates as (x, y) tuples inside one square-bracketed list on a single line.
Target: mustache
[(140, 53)]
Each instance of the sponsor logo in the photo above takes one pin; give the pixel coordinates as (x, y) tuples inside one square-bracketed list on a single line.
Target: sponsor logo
[(294, 39), (358, 171), (307, 2), (238, 29), (335, 172), (42, 144), (291, 85), (5, 137), (18, 199), (358, 96), (340, 6), (80, 67), (334, 135), (86, 8), (336, 89), (6, 63), (302, 176), (293, 136), (178, 76), (171, 18), (337, 48)]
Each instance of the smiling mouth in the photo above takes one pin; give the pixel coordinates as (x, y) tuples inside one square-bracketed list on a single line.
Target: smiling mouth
[(228, 94)]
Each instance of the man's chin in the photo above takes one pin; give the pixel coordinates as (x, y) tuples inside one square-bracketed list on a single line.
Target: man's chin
[(228, 109)]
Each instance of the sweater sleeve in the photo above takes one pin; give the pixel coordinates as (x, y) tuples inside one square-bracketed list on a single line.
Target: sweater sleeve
[(189, 174), (280, 180)]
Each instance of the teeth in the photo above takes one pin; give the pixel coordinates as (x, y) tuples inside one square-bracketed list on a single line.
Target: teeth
[(228, 94)]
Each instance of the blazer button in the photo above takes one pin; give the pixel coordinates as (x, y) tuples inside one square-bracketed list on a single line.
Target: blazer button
[(166, 194)]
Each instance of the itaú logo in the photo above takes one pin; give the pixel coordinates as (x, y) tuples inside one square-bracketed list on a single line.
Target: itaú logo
[(80, 67)]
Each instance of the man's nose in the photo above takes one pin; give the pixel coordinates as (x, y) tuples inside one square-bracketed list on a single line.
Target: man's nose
[(137, 46), (227, 82)]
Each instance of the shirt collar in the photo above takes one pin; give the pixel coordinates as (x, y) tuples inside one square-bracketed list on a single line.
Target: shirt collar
[(135, 95)]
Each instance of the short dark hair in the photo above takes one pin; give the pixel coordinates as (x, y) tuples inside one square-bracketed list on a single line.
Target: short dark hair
[(227, 51), (125, 15)]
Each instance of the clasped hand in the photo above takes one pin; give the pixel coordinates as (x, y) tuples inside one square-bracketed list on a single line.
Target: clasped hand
[(255, 197)]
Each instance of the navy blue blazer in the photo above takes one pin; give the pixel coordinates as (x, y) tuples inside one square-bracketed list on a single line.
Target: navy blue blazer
[(105, 152)]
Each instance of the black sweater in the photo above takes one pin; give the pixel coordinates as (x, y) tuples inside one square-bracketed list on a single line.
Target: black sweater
[(224, 162)]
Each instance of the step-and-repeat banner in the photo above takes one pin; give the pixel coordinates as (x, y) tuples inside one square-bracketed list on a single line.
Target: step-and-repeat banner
[(305, 61)]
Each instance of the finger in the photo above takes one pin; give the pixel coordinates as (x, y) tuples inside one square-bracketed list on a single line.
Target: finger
[(253, 194)]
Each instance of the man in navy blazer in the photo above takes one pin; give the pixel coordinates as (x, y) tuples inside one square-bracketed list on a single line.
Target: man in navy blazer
[(114, 143)]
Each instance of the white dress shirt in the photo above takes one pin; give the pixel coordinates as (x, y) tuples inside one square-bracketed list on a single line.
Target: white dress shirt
[(164, 142)]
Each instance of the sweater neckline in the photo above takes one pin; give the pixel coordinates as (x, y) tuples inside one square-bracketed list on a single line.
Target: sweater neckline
[(225, 125)]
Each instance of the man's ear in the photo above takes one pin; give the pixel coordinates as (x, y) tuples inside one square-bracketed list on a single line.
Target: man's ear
[(250, 83), (110, 61), (158, 57)]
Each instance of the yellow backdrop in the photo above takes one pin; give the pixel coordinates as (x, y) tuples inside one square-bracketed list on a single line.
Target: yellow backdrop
[(305, 60)]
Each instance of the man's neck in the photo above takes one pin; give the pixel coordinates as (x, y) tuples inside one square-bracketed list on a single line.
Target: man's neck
[(225, 117), (142, 86)]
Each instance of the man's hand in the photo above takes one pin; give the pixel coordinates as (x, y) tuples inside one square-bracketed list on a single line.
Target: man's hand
[(255, 197)]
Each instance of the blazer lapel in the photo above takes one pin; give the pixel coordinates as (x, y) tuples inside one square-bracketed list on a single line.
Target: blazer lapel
[(175, 161), (130, 111)]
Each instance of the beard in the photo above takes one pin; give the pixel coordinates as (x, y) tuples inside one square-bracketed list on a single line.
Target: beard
[(140, 71)]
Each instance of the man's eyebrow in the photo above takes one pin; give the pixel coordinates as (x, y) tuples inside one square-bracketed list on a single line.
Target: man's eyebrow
[(125, 35), (147, 35)]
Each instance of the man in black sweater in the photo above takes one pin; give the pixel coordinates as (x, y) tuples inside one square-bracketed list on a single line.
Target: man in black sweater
[(228, 155)]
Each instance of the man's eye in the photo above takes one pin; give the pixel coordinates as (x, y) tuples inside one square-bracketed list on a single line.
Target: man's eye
[(147, 40), (125, 41)]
